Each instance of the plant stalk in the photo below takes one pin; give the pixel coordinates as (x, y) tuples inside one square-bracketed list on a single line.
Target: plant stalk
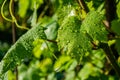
[(110, 57), (83, 5)]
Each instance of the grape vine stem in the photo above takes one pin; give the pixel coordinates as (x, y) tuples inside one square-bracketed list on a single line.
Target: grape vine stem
[(110, 8), (110, 57), (83, 5)]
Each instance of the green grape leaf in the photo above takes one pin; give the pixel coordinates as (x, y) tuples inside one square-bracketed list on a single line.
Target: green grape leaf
[(70, 39), (34, 17), (51, 31), (23, 6), (115, 26), (88, 70), (21, 49), (37, 2), (62, 12), (61, 62), (94, 27), (65, 8), (118, 9)]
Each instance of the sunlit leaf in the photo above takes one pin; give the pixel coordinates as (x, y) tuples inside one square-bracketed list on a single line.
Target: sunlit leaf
[(93, 26), (87, 71), (37, 51), (98, 57), (23, 6), (71, 40), (61, 62), (118, 9), (37, 2), (45, 64)]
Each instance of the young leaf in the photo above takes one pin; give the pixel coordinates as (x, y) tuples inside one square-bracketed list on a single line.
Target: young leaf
[(66, 6), (94, 27), (118, 9), (21, 49), (70, 39), (23, 6), (51, 31), (61, 61)]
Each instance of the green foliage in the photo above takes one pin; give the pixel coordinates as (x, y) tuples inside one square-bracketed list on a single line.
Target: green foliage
[(70, 39), (61, 61), (65, 48), (115, 26), (14, 55), (51, 31), (96, 30), (23, 6), (118, 9), (65, 9), (91, 71)]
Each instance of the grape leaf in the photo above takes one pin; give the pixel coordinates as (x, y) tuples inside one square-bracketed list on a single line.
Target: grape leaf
[(70, 39), (115, 26), (66, 2), (51, 31), (94, 27), (118, 9), (66, 6), (23, 6), (21, 49), (61, 61), (62, 12)]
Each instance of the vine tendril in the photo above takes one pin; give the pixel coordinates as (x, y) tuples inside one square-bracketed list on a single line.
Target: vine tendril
[(7, 19), (13, 17)]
